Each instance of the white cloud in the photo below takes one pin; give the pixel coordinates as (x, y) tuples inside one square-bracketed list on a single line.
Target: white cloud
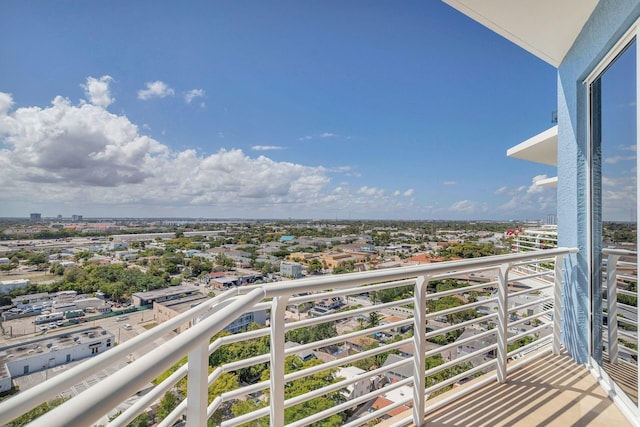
[(266, 147), (87, 157), (157, 89), (526, 199), (618, 159), (396, 193), (322, 135), (98, 92), (469, 207), (193, 94), (370, 191), (502, 190), (6, 102), (535, 188), (408, 193), (450, 182)]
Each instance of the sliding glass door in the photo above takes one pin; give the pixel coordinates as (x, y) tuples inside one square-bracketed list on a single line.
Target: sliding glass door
[(614, 216)]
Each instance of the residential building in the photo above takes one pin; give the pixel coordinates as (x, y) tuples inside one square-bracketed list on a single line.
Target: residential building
[(397, 373), (334, 259), (291, 269), (304, 355), (393, 400), (326, 306), (242, 323), (159, 295), (50, 351), (357, 388), (168, 309), (7, 286)]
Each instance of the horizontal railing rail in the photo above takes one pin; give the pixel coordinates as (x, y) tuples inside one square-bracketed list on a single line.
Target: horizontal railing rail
[(486, 347)]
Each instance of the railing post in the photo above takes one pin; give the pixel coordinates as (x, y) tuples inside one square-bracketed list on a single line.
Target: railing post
[(612, 307), (557, 305), (197, 387), (420, 348), (503, 318), (276, 362)]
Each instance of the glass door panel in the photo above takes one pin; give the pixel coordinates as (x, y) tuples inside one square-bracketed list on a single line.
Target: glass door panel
[(614, 221)]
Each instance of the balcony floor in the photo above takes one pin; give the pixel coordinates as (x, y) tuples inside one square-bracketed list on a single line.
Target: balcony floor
[(551, 391)]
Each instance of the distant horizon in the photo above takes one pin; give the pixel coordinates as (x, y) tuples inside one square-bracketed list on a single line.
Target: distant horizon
[(85, 219)]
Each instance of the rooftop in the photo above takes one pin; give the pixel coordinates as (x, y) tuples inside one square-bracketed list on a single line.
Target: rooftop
[(49, 343)]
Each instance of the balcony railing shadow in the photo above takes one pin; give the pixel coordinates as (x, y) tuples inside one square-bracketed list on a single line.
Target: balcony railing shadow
[(548, 390)]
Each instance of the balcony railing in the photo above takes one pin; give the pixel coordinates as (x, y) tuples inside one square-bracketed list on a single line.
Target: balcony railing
[(535, 239), (620, 271), (497, 309)]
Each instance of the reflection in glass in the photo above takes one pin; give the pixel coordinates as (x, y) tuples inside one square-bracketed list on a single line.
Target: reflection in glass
[(614, 221)]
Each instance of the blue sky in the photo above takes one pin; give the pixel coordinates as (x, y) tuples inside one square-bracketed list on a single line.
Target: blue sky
[(323, 109)]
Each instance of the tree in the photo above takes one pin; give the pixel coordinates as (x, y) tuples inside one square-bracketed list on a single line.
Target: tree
[(374, 319), (167, 404), (314, 266), (344, 267), (312, 333), (36, 412), (56, 269), (227, 381), (82, 255), (224, 261), (297, 388), (36, 258), (141, 420), (8, 267)]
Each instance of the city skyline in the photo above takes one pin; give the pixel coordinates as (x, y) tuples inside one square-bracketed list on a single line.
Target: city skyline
[(247, 110)]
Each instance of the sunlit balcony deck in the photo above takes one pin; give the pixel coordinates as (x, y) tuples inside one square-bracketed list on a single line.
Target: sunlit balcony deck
[(549, 390), (549, 387)]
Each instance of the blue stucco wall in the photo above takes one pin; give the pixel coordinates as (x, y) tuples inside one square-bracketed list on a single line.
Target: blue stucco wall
[(609, 21)]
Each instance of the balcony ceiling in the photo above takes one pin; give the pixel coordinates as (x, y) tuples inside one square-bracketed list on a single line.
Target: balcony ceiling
[(542, 148), (545, 28)]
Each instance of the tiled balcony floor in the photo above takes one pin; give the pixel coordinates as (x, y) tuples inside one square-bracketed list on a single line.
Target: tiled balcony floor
[(551, 391)]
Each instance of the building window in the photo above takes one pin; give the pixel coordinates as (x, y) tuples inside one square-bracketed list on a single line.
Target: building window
[(613, 137)]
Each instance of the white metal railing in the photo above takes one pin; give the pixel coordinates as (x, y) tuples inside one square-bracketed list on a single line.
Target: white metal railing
[(499, 331), (617, 272), (535, 239)]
